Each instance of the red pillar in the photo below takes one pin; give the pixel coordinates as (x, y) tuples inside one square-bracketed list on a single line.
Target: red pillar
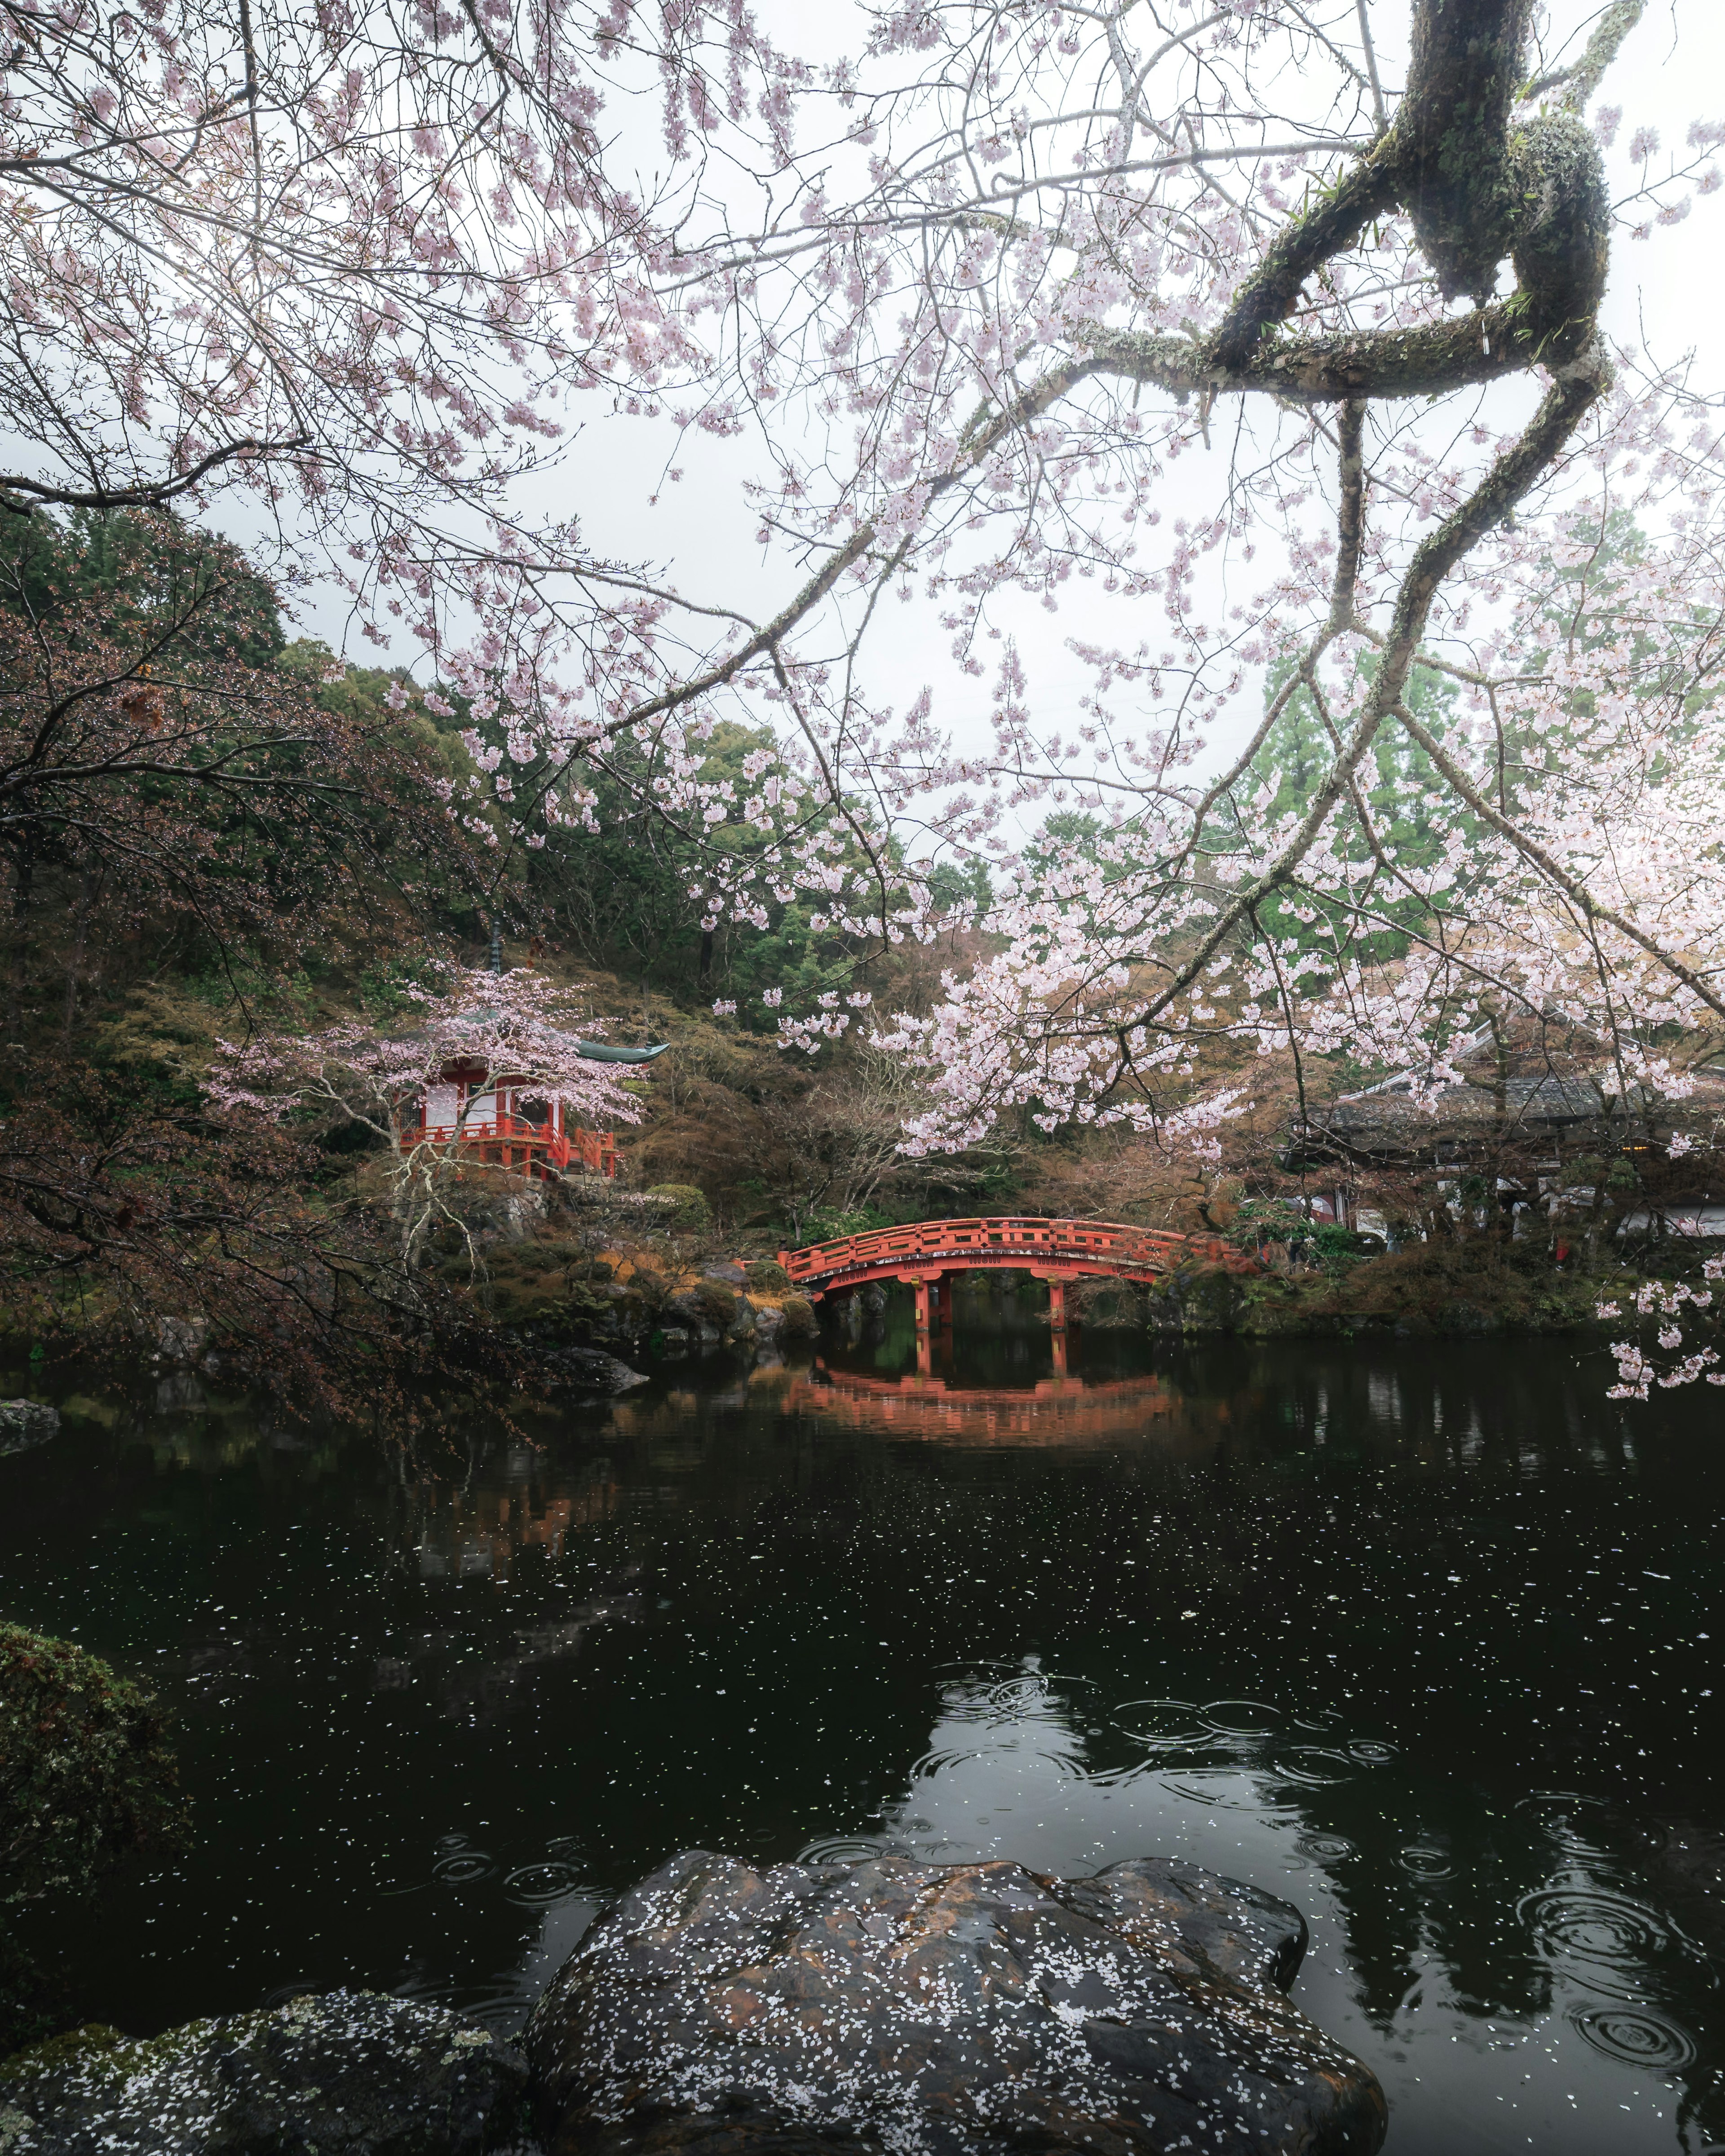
[(921, 1308), (1057, 1305)]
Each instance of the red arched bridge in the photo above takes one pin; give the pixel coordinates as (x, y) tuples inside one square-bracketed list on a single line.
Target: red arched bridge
[(1054, 1250)]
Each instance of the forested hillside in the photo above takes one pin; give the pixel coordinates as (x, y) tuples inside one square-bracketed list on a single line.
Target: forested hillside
[(217, 834)]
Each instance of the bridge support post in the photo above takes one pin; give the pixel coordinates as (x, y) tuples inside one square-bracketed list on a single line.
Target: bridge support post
[(922, 1312), (1056, 1305)]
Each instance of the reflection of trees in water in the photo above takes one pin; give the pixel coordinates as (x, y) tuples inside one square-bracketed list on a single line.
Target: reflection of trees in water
[(1009, 1725), (1556, 1905), (1560, 1905), (1398, 1527), (480, 1531), (481, 1690), (519, 1502)]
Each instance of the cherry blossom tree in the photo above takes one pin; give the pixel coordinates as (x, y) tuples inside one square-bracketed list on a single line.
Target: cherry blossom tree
[(971, 299), (1065, 211), (515, 1029)]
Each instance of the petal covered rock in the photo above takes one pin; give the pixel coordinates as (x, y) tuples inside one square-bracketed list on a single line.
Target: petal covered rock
[(940, 2009)]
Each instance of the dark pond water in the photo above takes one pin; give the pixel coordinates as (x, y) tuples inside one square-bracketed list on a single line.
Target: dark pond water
[(1417, 1637)]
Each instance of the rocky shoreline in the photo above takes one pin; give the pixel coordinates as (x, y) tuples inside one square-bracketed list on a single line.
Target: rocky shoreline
[(804, 2011)]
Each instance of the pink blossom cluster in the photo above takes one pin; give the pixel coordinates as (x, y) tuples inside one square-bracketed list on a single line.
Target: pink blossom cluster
[(1671, 1360)]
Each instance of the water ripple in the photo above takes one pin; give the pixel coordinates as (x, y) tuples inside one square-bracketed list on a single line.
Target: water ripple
[(1327, 1848), (938, 1762), (1243, 1717), (537, 1885), (1585, 1927), (1222, 1789), (1636, 2036), (1018, 1695), (844, 1849), (1313, 1766), (1165, 1725), (1425, 1862), (463, 1868)]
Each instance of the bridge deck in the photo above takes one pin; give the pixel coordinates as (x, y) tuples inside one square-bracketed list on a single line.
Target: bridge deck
[(926, 1248)]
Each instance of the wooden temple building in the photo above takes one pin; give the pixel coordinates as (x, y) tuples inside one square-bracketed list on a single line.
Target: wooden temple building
[(509, 1123)]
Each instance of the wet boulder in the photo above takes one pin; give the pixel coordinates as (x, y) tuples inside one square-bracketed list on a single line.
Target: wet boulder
[(956, 2010), (26, 1422), (709, 1308), (345, 2074), (590, 1370), (182, 1339)]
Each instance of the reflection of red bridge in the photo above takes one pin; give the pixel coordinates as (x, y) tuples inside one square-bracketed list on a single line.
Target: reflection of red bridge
[(1059, 1411), (1054, 1250)]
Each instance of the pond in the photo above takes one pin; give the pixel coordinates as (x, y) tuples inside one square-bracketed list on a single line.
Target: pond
[(1416, 1635)]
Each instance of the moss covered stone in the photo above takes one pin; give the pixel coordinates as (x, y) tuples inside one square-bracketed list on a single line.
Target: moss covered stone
[(347, 2074), (86, 1777), (800, 1322)]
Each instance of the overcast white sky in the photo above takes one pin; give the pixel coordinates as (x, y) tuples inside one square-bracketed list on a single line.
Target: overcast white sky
[(1668, 291)]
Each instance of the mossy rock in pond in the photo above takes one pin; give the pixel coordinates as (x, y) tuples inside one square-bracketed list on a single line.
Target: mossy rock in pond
[(1105, 1304), (712, 1302), (1197, 1299), (347, 2074), (86, 1777), (631, 1312), (800, 1322)]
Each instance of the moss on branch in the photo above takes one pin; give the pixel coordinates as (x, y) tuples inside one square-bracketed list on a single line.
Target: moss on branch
[(1478, 188)]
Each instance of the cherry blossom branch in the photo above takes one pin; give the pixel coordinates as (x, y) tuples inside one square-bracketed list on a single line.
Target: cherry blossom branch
[(1592, 909)]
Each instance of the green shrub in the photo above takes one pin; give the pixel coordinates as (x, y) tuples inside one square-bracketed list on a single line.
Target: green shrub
[(688, 1215), (766, 1276), (1336, 1247), (85, 1776)]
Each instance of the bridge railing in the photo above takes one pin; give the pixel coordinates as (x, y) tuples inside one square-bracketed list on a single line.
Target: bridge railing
[(1106, 1242)]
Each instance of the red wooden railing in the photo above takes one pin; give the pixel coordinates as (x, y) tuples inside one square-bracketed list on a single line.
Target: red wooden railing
[(507, 1136), (954, 1245)]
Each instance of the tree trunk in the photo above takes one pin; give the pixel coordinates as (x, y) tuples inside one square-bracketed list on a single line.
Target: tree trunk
[(75, 964), (22, 888)]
